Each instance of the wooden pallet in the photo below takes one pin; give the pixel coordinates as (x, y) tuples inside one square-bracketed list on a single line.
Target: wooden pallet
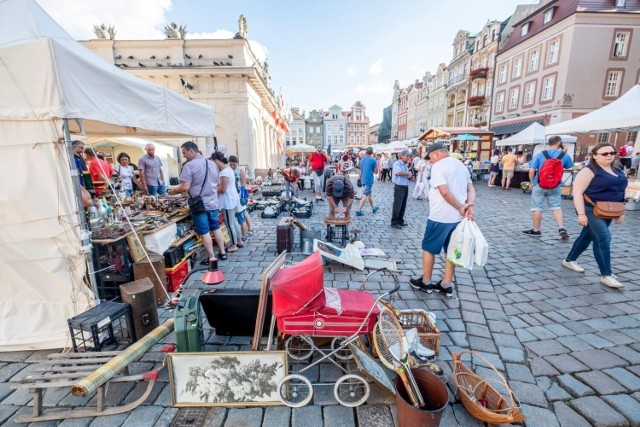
[(65, 370)]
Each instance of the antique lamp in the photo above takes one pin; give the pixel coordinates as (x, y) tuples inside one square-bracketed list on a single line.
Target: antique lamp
[(213, 276)]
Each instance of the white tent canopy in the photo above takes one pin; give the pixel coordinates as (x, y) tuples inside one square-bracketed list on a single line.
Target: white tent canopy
[(532, 135), (46, 76), (620, 115)]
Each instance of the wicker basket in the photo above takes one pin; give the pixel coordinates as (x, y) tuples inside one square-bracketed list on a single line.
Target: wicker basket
[(480, 399), (427, 330)]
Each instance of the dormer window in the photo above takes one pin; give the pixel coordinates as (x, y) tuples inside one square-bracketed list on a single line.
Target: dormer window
[(524, 30), (548, 15)]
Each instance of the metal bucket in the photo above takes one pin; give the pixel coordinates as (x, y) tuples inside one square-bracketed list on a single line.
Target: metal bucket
[(435, 395), (306, 239)]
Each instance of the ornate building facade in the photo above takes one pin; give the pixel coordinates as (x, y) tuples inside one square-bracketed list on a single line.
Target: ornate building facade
[(315, 129), (357, 126)]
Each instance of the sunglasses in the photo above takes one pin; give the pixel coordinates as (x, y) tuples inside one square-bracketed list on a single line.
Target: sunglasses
[(607, 154)]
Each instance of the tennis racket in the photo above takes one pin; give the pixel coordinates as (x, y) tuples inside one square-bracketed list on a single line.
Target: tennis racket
[(392, 349)]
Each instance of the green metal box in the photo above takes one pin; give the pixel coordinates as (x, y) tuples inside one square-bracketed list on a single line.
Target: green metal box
[(188, 325)]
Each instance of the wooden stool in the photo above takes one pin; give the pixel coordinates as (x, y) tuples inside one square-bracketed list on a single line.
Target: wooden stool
[(341, 224)]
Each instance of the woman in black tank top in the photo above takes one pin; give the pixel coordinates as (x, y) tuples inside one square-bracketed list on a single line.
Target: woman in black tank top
[(600, 181)]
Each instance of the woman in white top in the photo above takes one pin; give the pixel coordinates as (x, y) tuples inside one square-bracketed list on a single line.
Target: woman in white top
[(418, 190), (228, 199), (126, 173)]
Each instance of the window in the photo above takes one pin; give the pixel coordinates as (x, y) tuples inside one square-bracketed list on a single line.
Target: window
[(547, 87), (513, 98), (500, 102), (502, 76), (548, 16), (620, 45), (489, 87), (517, 68), (613, 83), (524, 30), (632, 136), (529, 93), (603, 137), (621, 3), (533, 60), (552, 55)]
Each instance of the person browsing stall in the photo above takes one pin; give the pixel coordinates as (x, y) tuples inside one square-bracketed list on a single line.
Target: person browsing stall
[(151, 176), (229, 200), (339, 189), (99, 169), (599, 182), (400, 176), (316, 163), (368, 168), (291, 177), (199, 177), (126, 173)]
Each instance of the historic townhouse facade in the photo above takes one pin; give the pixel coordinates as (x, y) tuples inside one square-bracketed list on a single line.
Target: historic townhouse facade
[(458, 85), (436, 106), (564, 59), (357, 126), (297, 129), (413, 96), (481, 75), (373, 133), (315, 128), (422, 105), (223, 73), (335, 129)]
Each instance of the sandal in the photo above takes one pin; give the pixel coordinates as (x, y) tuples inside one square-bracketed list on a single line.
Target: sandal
[(223, 257)]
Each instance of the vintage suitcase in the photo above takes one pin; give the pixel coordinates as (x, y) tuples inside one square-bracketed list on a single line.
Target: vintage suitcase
[(143, 269), (233, 311), (188, 325), (141, 296), (284, 235)]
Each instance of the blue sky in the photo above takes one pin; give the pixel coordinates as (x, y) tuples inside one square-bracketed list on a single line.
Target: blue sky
[(320, 53)]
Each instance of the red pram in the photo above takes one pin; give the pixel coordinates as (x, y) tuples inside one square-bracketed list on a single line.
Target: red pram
[(303, 306)]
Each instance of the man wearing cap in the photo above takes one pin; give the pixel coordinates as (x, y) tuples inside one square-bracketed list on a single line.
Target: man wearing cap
[(400, 176), (451, 199)]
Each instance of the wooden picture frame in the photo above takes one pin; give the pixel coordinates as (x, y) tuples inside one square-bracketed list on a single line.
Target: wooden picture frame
[(137, 248), (239, 378), (372, 369), (264, 297)]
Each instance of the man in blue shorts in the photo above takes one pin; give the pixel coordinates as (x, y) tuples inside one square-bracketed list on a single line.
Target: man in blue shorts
[(368, 167), (451, 199), (199, 177)]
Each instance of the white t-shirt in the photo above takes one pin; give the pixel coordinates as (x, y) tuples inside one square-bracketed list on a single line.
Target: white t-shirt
[(125, 173), (230, 199), (451, 172)]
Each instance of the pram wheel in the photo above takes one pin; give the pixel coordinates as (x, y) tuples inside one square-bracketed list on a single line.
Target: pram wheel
[(351, 390), (298, 348), (342, 354), (295, 390)]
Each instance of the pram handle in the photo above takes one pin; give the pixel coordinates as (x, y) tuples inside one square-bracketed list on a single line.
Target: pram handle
[(397, 288)]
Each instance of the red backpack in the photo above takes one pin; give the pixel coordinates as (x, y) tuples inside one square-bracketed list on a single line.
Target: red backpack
[(551, 171)]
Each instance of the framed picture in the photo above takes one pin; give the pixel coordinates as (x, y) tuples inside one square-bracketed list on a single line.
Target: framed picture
[(264, 297), (239, 378), (136, 246), (372, 369)]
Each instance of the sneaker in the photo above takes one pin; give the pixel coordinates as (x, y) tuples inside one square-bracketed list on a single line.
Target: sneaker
[(419, 285), (563, 233), (532, 232), (396, 226), (359, 213), (572, 265), (447, 292), (376, 209), (611, 281)]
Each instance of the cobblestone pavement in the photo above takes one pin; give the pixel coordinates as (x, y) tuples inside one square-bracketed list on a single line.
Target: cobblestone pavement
[(568, 346)]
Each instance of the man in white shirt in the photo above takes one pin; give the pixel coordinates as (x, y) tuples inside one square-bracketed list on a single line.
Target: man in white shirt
[(451, 198)]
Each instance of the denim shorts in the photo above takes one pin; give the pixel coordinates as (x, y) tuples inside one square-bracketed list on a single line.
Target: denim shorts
[(240, 216), (437, 235), (205, 222), (538, 196), (367, 189)]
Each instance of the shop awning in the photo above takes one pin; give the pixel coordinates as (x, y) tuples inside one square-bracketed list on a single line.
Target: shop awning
[(511, 128)]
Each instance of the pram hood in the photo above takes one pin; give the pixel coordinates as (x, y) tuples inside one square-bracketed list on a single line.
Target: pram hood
[(299, 288)]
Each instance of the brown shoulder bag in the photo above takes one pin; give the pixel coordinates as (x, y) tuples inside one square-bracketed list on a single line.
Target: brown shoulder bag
[(606, 210)]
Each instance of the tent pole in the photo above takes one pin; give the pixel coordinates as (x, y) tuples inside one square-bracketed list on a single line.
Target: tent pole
[(85, 235)]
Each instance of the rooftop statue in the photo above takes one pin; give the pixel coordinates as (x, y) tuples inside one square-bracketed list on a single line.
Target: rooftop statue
[(173, 31), (103, 32)]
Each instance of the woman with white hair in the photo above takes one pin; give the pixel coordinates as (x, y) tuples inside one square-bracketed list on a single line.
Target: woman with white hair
[(229, 200)]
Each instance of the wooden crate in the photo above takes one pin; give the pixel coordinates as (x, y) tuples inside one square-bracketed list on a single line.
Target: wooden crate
[(427, 330)]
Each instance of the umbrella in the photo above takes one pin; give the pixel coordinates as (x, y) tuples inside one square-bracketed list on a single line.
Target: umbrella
[(301, 149), (467, 137), (394, 147)]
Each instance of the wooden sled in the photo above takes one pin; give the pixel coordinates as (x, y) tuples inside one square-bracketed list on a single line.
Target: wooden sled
[(65, 370)]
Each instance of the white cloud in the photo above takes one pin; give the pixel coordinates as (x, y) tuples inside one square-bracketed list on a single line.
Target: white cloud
[(132, 19), (375, 88), (376, 68), (352, 71)]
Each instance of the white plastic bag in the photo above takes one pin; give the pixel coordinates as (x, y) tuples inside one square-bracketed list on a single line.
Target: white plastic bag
[(462, 245), (482, 247)]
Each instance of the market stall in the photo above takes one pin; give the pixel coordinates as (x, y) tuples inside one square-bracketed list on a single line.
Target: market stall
[(49, 83)]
